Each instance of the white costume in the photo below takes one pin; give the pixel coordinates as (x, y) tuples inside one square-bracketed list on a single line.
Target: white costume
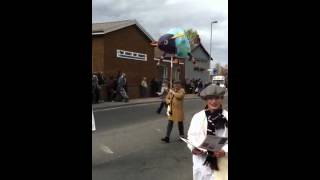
[(93, 123), (196, 135)]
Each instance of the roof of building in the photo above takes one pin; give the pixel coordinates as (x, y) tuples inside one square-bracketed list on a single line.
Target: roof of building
[(201, 46), (107, 27)]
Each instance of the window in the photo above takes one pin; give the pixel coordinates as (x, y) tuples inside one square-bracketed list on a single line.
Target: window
[(165, 72), (131, 55), (176, 74)]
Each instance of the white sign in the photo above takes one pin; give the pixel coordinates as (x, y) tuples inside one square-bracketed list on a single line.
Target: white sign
[(131, 55)]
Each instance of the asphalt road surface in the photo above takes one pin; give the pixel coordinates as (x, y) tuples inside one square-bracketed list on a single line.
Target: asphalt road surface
[(127, 146)]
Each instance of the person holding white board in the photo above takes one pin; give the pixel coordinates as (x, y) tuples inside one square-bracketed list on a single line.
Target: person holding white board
[(213, 120)]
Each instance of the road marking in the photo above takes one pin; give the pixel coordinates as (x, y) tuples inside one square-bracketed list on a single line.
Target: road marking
[(129, 106), (106, 149), (120, 107), (158, 130)]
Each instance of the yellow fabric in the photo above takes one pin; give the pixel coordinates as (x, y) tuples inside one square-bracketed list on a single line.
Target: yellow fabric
[(222, 174), (181, 34), (177, 106)]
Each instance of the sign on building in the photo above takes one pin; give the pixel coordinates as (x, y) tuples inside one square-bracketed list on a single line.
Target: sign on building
[(131, 55)]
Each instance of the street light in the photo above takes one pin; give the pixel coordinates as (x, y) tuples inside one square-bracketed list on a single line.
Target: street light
[(211, 45), (211, 38)]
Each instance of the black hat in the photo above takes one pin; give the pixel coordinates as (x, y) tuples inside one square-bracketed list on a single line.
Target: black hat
[(212, 91), (177, 82)]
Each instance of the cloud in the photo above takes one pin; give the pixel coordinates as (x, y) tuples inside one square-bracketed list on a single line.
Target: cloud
[(157, 17)]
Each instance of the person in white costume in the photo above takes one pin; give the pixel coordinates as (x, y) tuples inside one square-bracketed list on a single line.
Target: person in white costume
[(93, 123), (213, 120)]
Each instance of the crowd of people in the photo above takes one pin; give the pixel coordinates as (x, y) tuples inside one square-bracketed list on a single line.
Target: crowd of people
[(194, 86), (116, 87)]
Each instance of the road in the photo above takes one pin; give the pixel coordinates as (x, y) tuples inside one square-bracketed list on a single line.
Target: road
[(127, 144)]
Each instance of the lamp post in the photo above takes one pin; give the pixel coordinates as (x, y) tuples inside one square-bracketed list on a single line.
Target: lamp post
[(213, 22), (211, 38)]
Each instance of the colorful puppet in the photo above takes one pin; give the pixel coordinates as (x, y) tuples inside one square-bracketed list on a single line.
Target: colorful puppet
[(174, 42)]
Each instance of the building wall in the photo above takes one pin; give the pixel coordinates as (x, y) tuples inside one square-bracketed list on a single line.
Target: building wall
[(190, 73), (200, 54), (98, 53), (165, 74), (129, 39), (104, 58), (202, 61), (166, 65)]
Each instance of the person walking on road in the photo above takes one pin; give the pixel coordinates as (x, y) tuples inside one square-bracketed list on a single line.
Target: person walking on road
[(95, 89), (213, 120), (175, 99), (163, 93)]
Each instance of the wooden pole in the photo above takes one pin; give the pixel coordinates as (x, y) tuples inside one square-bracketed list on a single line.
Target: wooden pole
[(171, 67)]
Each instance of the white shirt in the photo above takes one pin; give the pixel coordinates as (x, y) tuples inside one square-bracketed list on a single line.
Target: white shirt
[(196, 135), (198, 130)]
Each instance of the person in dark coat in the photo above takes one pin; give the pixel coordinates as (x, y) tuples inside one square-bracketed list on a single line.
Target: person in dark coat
[(121, 87), (110, 88), (95, 89), (153, 87)]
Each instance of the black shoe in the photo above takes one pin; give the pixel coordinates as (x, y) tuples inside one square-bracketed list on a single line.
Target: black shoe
[(165, 139), (158, 112)]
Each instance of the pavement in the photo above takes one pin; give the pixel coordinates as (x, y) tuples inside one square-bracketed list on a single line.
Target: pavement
[(131, 102), (126, 144), (113, 104)]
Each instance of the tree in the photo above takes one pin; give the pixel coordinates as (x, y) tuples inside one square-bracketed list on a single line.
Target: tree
[(193, 37), (225, 68), (218, 67), (226, 74)]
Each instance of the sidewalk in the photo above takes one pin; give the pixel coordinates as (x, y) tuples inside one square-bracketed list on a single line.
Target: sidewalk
[(106, 105)]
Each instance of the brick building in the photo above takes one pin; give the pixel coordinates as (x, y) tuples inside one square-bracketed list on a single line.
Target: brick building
[(124, 46)]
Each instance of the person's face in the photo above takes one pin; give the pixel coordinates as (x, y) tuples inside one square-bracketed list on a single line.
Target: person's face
[(214, 102), (177, 87)]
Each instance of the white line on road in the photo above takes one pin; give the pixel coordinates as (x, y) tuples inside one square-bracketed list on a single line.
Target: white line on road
[(106, 149), (129, 106), (120, 107)]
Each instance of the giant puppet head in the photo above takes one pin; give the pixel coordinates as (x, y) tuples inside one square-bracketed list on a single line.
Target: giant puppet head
[(174, 42)]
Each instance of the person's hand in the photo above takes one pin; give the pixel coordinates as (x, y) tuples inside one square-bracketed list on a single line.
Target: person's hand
[(171, 91), (219, 154), (197, 151)]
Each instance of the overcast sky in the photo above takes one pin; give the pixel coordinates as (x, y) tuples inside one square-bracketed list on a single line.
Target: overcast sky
[(158, 16)]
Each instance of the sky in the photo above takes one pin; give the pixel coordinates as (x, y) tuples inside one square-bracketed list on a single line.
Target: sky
[(158, 16)]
